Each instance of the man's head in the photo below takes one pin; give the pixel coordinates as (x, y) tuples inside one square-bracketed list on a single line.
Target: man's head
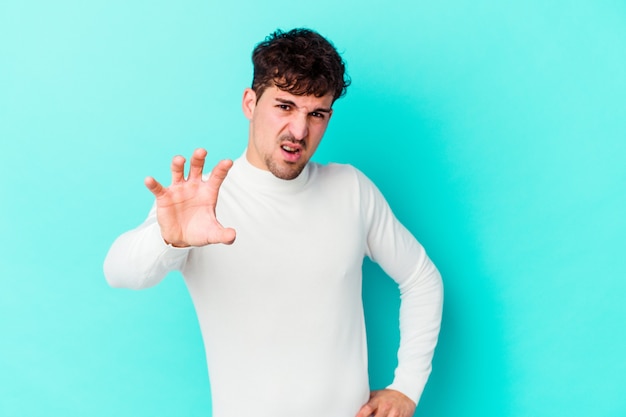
[(301, 62), (298, 75)]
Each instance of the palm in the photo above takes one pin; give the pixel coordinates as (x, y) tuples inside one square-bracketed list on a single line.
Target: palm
[(186, 209)]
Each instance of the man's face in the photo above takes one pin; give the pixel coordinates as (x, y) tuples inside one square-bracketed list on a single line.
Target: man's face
[(285, 129)]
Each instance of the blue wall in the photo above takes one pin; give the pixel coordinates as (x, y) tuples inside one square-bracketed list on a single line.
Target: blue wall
[(497, 131)]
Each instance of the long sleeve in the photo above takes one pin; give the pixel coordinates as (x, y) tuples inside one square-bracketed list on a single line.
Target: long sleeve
[(140, 258), (402, 257)]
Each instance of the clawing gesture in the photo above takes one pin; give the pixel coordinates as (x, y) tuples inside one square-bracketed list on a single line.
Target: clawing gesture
[(186, 209)]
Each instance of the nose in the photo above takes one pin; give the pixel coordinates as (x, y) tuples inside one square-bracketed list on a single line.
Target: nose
[(299, 125)]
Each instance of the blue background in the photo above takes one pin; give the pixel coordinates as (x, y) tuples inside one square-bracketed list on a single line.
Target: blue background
[(497, 131)]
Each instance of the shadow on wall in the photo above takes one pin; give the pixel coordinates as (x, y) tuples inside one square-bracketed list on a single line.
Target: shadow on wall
[(403, 150)]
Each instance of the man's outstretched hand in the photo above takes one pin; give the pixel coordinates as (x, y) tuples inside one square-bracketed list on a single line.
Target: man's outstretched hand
[(388, 403), (186, 209)]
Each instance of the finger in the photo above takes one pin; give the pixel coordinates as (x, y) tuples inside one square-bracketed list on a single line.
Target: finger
[(366, 411), (154, 186), (178, 169), (196, 164), (219, 174), (385, 410)]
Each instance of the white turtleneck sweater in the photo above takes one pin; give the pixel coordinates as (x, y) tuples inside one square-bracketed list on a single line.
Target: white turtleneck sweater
[(280, 310)]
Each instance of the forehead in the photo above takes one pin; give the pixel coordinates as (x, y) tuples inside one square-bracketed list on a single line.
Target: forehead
[(310, 101)]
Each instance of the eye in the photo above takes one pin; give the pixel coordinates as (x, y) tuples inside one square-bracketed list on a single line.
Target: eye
[(318, 115), (285, 107)]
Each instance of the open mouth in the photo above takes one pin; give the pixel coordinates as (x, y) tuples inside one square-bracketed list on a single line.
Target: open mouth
[(291, 152), (290, 149)]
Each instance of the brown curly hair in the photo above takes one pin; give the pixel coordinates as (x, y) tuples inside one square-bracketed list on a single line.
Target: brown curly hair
[(301, 62)]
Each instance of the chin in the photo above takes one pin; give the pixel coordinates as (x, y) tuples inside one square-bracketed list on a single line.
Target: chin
[(285, 172)]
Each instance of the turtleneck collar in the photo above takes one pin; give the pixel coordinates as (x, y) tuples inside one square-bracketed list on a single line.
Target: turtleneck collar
[(265, 180)]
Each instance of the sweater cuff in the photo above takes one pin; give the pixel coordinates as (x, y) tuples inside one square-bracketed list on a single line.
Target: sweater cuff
[(157, 243), (411, 387)]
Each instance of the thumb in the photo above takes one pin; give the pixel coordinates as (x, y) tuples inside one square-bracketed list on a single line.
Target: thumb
[(228, 236)]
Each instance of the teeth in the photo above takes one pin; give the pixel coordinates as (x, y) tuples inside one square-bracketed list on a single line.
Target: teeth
[(288, 149)]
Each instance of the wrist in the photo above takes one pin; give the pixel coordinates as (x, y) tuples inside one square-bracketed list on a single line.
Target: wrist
[(175, 245)]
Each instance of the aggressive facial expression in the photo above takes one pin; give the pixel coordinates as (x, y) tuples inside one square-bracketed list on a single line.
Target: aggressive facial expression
[(285, 129)]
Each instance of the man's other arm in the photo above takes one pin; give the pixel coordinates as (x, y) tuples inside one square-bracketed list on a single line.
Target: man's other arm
[(404, 259)]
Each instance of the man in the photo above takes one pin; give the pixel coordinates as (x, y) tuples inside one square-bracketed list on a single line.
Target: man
[(279, 300)]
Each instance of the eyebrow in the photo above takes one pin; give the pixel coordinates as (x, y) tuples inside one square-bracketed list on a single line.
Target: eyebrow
[(291, 103)]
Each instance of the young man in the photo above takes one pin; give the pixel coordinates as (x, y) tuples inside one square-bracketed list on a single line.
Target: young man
[(279, 300)]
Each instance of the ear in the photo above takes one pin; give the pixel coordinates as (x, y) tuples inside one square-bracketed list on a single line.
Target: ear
[(248, 103)]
